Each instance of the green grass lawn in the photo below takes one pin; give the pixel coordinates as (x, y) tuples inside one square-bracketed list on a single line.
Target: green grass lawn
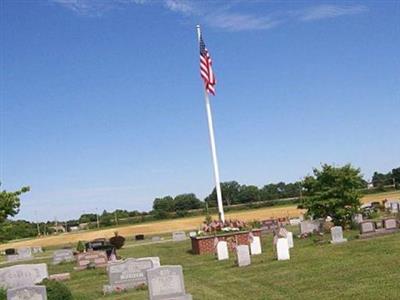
[(358, 269)]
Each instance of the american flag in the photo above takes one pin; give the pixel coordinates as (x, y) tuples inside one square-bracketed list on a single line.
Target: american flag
[(206, 71)]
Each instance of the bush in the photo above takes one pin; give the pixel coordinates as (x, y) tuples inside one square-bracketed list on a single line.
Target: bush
[(3, 294), (80, 247), (117, 241), (57, 290)]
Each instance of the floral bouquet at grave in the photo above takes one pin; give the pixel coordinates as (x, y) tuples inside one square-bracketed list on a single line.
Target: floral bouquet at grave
[(217, 227)]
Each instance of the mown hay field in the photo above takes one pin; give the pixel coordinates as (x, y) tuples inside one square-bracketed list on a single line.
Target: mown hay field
[(165, 226)]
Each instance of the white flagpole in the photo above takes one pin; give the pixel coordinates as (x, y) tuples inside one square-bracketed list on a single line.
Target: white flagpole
[(213, 148)]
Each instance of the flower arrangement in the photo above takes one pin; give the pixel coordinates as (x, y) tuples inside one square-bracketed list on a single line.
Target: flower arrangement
[(214, 227)]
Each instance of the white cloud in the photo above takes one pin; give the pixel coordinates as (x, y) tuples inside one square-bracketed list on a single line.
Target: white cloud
[(330, 11), (218, 14), (239, 22)]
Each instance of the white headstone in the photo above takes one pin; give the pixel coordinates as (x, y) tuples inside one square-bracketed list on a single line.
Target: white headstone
[(63, 255), (243, 255), (255, 246), (337, 235), (289, 237), (282, 249), (22, 275), (222, 250)]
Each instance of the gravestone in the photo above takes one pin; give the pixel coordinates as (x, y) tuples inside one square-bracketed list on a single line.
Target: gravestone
[(295, 221), (394, 207), (24, 253), (10, 251), (12, 258), (243, 255), (255, 246), (337, 235), (35, 292), (139, 237), (222, 250), (156, 239), (367, 227), (95, 258), (358, 218), (289, 237), (390, 223), (127, 274), (309, 226), (22, 275), (178, 236), (37, 249), (167, 282), (282, 249), (63, 255), (154, 259)]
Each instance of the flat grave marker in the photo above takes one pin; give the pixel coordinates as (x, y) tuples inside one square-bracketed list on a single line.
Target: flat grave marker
[(24, 253), (167, 282)]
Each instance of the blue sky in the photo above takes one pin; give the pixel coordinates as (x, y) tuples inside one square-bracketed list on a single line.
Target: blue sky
[(102, 104)]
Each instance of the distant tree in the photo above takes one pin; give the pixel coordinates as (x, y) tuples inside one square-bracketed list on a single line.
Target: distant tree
[(230, 193), (333, 191), (379, 180), (10, 203), (165, 204), (396, 177), (248, 193), (185, 202), (87, 218)]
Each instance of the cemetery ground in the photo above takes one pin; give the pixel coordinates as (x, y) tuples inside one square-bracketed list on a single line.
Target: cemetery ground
[(165, 226), (360, 269)]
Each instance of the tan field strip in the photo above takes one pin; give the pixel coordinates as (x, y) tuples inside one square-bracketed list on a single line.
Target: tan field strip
[(160, 227)]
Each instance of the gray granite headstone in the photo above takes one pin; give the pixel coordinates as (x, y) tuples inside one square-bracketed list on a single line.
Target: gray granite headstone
[(367, 227), (156, 239), (22, 275), (154, 259), (127, 274), (96, 258), (309, 226), (243, 255), (337, 235), (12, 257), (34, 292), (166, 283), (390, 223), (63, 255), (178, 236), (24, 253)]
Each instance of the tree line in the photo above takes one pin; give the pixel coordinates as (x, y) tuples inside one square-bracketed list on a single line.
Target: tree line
[(233, 193)]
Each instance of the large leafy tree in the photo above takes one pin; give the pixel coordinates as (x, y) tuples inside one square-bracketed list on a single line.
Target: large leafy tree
[(10, 203), (187, 202), (333, 191), (230, 193)]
